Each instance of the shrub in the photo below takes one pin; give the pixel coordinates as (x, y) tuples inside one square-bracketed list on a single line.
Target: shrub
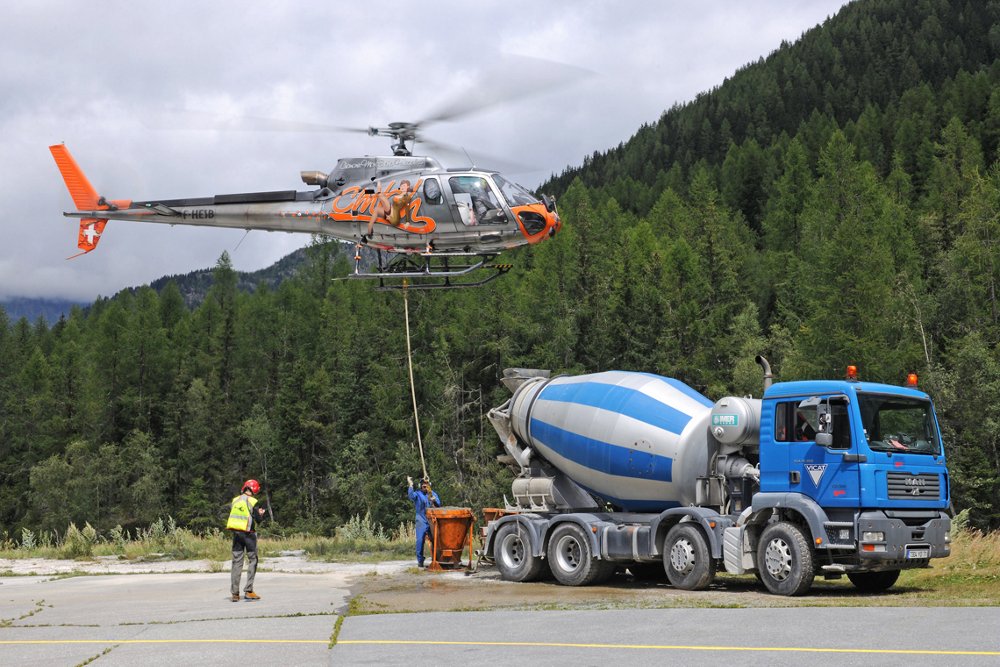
[(77, 543), (119, 537), (28, 541)]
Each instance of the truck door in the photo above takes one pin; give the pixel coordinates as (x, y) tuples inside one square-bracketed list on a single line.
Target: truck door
[(829, 474)]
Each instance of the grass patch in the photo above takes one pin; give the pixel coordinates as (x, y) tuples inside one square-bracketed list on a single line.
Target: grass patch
[(359, 540), (354, 605)]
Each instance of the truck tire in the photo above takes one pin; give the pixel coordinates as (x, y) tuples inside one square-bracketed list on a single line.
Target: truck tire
[(512, 553), (686, 558), (571, 559), (873, 582), (785, 559)]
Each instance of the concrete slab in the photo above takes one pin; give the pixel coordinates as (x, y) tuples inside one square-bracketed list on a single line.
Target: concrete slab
[(175, 618)]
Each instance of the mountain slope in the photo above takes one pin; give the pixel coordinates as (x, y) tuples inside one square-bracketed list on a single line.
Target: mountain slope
[(870, 55)]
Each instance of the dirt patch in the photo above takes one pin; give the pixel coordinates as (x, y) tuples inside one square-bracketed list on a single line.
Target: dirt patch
[(416, 590), (398, 586)]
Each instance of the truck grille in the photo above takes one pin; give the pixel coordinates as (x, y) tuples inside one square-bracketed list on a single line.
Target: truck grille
[(906, 486)]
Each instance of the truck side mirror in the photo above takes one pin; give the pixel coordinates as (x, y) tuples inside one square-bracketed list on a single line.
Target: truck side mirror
[(824, 417)]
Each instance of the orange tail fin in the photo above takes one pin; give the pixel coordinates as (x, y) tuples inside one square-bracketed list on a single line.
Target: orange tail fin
[(85, 198), (84, 195)]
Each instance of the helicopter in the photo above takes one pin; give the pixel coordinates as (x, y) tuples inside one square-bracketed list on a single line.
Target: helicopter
[(429, 226), (423, 220)]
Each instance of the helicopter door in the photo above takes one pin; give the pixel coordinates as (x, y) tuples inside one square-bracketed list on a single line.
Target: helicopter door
[(476, 201)]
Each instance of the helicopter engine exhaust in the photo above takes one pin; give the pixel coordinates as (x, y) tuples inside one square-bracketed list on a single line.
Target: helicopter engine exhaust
[(314, 178)]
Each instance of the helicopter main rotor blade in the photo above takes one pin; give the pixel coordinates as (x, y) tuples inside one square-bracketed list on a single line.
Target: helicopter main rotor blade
[(474, 159), (194, 120), (516, 77)]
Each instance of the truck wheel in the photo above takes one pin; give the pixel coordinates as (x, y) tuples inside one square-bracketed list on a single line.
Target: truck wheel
[(512, 553), (873, 582), (571, 559), (686, 559), (785, 560)]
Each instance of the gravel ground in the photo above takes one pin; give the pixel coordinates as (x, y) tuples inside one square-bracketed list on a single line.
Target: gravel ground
[(288, 562)]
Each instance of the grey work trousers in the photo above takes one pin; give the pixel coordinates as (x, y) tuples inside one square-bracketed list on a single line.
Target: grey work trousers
[(243, 543)]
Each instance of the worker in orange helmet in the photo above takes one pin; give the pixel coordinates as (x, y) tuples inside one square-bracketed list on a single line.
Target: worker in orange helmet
[(243, 517)]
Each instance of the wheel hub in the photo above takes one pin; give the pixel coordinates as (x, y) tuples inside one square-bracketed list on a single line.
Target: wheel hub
[(778, 559), (512, 551), (568, 554), (682, 556)]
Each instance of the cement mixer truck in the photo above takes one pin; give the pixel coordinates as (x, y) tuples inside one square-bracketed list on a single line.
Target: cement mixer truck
[(620, 470)]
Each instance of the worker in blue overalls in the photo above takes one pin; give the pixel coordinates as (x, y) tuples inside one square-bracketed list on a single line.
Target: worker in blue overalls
[(422, 499)]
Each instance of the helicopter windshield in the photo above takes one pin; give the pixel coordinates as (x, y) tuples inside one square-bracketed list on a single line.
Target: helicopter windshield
[(514, 193)]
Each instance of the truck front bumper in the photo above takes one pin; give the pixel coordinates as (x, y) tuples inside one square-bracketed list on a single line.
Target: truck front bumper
[(896, 539)]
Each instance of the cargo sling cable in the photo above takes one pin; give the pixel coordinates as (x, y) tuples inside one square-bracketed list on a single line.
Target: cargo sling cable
[(409, 364)]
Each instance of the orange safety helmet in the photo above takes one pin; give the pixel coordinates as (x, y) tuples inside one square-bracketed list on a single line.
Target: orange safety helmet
[(251, 484)]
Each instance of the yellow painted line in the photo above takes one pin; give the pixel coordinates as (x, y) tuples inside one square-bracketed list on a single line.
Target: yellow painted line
[(164, 641), (418, 642), (665, 647)]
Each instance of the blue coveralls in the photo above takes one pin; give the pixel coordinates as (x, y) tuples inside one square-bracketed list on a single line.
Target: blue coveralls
[(420, 503)]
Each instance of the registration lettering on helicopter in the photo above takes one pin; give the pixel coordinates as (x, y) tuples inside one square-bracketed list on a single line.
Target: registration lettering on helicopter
[(198, 214)]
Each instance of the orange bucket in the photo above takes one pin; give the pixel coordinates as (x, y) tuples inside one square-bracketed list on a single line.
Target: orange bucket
[(451, 528), (491, 514)]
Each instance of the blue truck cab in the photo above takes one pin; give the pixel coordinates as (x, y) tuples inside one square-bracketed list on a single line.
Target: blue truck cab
[(860, 467)]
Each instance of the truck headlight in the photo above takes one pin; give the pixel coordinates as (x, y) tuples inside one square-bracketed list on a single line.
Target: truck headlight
[(873, 536)]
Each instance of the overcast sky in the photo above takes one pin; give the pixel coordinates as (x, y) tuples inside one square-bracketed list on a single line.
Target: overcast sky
[(98, 76)]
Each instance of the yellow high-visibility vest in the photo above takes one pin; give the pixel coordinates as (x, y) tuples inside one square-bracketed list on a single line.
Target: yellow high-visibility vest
[(239, 514)]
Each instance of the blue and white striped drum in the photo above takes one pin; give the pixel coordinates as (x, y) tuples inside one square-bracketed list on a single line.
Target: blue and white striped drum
[(636, 440)]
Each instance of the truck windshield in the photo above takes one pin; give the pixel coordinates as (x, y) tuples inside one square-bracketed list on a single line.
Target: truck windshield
[(899, 424)]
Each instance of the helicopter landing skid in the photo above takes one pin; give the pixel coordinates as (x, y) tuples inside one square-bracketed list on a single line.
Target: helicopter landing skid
[(432, 270)]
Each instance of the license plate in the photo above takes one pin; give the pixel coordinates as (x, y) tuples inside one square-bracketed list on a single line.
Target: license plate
[(918, 553)]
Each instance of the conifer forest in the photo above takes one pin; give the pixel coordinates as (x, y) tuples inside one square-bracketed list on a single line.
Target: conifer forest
[(835, 203)]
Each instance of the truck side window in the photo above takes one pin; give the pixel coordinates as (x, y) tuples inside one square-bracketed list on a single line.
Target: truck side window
[(785, 422), (793, 423)]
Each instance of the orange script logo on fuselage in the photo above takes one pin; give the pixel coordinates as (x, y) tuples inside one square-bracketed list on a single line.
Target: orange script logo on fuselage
[(354, 205)]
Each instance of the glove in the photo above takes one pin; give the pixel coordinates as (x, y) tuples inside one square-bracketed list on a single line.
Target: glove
[(409, 481)]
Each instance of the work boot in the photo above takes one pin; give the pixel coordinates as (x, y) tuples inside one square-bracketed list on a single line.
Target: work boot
[(236, 597), (250, 595)]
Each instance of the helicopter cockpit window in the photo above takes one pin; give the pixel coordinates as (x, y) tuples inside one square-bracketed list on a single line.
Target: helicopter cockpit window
[(432, 191), (515, 194), (476, 202)]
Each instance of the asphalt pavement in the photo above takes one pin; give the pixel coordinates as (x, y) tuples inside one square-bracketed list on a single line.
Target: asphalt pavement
[(176, 618), (761, 636), (187, 618)]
